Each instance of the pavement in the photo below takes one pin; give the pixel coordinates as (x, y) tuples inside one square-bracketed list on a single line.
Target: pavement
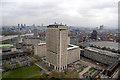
[(85, 70), (42, 66), (91, 64)]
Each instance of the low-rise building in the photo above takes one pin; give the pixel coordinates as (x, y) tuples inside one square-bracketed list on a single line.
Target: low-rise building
[(103, 56), (72, 55), (40, 49)]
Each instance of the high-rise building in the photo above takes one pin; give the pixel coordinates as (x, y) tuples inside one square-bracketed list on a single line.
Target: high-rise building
[(101, 27), (18, 25), (24, 25), (18, 29), (35, 32), (94, 35), (56, 44), (21, 25), (33, 25)]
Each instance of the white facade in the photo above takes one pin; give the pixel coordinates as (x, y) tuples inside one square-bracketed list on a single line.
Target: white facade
[(56, 44), (72, 55), (40, 49)]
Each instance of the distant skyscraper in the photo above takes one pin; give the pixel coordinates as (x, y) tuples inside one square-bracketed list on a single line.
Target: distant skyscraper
[(42, 25), (18, 29), (35, 32), (18, 25), (24, 25), (56, 43), (21, 25), (94, 35), (33, 25), (101, 27), (97, 28)]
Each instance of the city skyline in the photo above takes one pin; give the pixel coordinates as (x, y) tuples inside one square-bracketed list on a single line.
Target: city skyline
[(74, 13)]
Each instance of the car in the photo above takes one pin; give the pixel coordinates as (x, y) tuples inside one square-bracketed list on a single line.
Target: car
[(92, 60), (97, 63), (101, 64)]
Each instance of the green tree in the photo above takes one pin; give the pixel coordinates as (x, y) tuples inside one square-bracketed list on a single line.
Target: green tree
[(54, 74), (71, 74), (6, 67), (17, 65), (65, 71), (32, 62), (64, 74), (104, 48), (37, 57)]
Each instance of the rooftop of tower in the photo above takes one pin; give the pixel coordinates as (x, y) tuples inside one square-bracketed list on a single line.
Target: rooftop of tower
[(56, 25)]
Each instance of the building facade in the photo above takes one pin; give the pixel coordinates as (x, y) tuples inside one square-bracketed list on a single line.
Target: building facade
[(73, 53), (57, 50), (102, 56), (56, 43), (40, 49)]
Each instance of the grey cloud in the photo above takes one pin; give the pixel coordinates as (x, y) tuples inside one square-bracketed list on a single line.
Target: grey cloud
[(50, 11)]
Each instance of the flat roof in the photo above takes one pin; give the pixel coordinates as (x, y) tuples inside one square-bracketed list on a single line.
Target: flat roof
[(69, 48), (107, 44), (72, 47), (109, 53), (41, 43), (2, 38), (14, 52), (59, 26), (7, 37)]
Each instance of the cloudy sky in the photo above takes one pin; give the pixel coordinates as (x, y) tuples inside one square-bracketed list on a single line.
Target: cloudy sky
[(88, 13)]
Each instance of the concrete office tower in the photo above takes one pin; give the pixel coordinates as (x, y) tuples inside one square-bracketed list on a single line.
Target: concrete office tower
[(94, 35), (56, 44), (36, 32)]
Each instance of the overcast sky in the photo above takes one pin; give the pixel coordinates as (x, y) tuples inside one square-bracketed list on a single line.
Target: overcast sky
[(91, 13)]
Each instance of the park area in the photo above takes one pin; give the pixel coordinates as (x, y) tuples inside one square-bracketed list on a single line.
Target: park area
[(32, 71), (6, 45)]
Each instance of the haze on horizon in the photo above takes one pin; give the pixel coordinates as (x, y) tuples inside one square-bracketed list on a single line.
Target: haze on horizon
[(91, 13)]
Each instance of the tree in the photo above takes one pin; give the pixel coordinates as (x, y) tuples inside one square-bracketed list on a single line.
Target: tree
[(37, 57), (32, 62), (71, 74), (47, 66), (31, 54), (118, 51), (104, 48), (6, 67), (65, 71), (56, 74), (108, 49), (64, 74), (17, 65)]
